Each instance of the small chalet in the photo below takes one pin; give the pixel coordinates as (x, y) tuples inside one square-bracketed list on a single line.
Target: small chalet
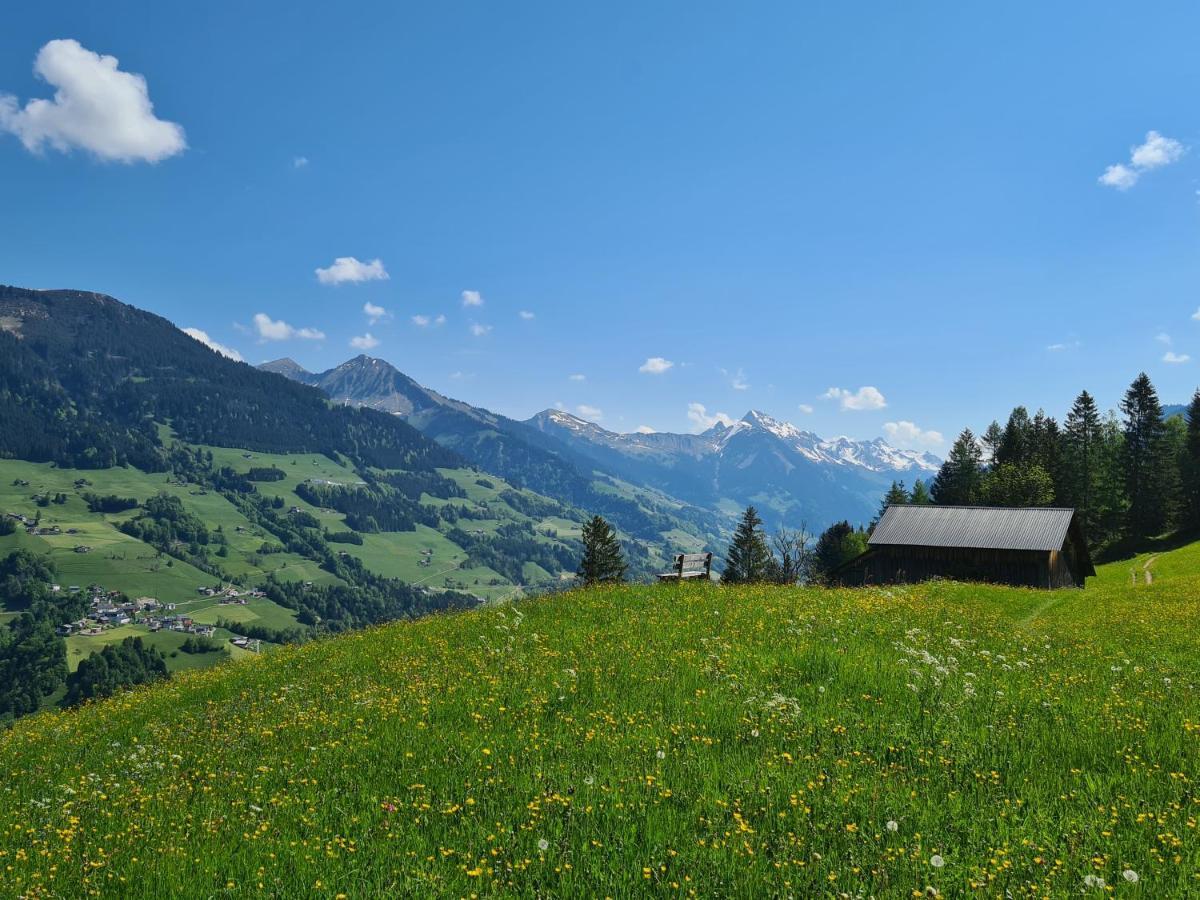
[(1029, 547)]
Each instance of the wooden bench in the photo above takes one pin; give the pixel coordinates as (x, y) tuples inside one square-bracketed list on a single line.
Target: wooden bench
[(689, 565)]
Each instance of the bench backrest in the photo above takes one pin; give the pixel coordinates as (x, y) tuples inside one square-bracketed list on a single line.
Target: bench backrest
[(693, 562)]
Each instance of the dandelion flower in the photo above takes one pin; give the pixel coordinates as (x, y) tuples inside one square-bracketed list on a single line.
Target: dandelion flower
[(1130, 876), (936, 861), (543, 845), (892, 825)]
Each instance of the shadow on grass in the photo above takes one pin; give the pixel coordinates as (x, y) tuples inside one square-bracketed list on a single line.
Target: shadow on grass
[(1127, 548)]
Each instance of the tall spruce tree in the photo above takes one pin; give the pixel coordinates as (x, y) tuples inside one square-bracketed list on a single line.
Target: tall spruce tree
[(1146, 479), (1017, 440), (748, 559), (602, 560), (920, 494), (958, 481), (991, 440), (1081, 461), (1191, 464), (896, 496)]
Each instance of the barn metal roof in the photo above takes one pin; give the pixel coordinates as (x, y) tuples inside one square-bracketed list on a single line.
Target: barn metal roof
[(996, 528)]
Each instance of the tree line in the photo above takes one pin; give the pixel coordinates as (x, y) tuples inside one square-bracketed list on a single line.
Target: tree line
[(1130, 477)]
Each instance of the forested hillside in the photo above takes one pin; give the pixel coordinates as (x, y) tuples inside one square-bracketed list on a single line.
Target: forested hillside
[(84, 378)]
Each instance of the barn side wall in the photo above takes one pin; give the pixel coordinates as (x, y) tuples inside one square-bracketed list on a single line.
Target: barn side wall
[(1026, 568)]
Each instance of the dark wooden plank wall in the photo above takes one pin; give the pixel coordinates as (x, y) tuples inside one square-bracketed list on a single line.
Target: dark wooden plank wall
[(889, 565)]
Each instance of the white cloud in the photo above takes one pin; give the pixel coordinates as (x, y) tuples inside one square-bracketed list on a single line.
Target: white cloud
[(908, 436), (1196, 314), (699, 416), (864, 398), (589, 412), (1172, 357), (578, 377), (348, 269), (1119, 176), (279, 330), (472, 298), (375, 313), (364, 342), (655, 365), (738, 382), (1163, 338), (526, 315), (96, 107), (480, 330), (422, 321), (1157, 151), (645, 429), (805, 408), (208, 342), (299, 162), (1064, 345)]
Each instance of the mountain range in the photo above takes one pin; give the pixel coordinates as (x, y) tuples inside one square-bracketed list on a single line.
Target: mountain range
[(794, 476)]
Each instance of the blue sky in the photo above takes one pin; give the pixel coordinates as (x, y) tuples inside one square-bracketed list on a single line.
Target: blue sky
[(775, 200)]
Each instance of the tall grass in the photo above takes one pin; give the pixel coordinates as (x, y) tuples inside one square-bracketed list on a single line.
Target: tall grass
[(943, 739)]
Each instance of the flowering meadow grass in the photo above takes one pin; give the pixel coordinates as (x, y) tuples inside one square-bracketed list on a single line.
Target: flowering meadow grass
[(945, 739)]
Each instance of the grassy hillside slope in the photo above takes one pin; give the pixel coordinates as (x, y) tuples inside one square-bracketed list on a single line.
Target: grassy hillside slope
[(665, 740)]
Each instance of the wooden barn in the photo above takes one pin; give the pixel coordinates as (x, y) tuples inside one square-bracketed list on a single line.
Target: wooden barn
[(1030, 547)]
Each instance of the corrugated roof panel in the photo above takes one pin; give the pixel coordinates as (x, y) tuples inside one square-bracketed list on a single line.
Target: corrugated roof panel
[(998, 528)]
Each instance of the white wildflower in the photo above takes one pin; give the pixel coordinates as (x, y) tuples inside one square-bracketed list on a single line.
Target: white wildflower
[(1130, 876), (936, 861), (543, 845), (661, 754), (892, 825)]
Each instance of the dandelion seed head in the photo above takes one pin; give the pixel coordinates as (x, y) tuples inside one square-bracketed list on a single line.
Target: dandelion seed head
[(936, 861), (1130, 876)]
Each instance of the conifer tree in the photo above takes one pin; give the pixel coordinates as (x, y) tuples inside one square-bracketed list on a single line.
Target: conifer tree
[(1082, 459), (1146, 478), (1191, 463), (749, 558), (1015, 443), (958, 481), (920, 494), (602, 559), (896, 496), (991, 440)]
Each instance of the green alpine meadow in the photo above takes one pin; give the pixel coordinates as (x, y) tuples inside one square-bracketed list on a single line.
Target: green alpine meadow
[(665, 740)]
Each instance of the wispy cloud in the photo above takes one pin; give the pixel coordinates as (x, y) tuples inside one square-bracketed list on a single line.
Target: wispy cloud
[(1154, 153), (300, 162), (577, 377), (1064, 345), (589, 412), (737, 380), (364, 342), (703, 420), (375, 313), (526, 315), (865, 398), (422, 321), (349, 270), (202, 337), (96, 107), (1196, 314), (278, 330), (1163, 338), (1175, 358), (479, 330), (908, 436), (805, 408), (472, 298), (644, 429), (655, 365)]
